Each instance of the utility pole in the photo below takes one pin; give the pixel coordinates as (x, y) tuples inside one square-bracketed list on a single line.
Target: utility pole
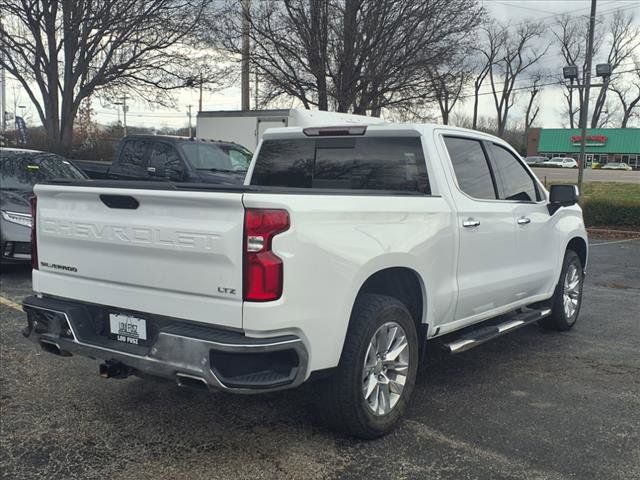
[(584, 108), (3, 102), (200, 98), (124, 113), (245, 53), (125, 108), (117, 104), (255, 93), (189, 115)]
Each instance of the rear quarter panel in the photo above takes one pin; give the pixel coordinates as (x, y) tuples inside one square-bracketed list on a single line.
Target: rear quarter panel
[(334, 244)]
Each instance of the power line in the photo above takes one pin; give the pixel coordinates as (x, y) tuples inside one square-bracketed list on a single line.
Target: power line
[(552, 14), (573, 17), (539, 85), (555, 14), (528, 87)]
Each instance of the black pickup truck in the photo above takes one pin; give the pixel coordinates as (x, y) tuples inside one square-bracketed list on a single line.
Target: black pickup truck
[(176, 159)]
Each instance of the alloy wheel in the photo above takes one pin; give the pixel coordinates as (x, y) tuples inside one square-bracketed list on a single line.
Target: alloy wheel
[(385, 368), (571, 292)]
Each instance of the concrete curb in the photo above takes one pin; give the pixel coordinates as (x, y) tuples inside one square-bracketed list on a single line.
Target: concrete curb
[(610, 233)]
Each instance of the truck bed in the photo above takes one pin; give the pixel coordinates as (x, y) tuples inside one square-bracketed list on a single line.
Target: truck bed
[(93, 168)]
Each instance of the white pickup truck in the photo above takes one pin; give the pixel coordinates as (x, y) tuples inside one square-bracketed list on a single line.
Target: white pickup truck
[(348, 251)]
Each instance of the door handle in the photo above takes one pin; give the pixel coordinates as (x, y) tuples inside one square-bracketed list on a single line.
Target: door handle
[(523, 220), (470, 223)]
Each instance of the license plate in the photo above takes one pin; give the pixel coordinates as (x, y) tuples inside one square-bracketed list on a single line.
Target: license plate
[(128, 329)]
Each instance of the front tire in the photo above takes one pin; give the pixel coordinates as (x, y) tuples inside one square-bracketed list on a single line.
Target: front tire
[(375, 378), (567, 298)]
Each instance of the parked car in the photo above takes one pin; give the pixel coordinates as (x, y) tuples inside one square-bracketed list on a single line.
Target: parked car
[(535, 161), (617, 166), (564, 162), (176, 159), (349, 251), (20, 170)]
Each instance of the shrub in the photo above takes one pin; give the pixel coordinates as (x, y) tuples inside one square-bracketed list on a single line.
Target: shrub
[(611, 212)]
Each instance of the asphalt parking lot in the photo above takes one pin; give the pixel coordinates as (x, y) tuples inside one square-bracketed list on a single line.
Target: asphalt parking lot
[(555, 175), (530, 405)]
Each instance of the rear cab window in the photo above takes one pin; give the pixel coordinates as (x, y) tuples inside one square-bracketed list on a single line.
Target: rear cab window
[(343, 163)]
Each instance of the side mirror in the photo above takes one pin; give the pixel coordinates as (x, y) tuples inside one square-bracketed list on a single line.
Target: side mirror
[(562, 196)]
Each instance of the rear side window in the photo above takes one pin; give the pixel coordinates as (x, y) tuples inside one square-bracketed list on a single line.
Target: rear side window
[(395, 164), (513, 181), (471, 167), (165, 160), (133, 157)]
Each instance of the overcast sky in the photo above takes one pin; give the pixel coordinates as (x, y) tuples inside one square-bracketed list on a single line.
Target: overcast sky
[(510, 11)]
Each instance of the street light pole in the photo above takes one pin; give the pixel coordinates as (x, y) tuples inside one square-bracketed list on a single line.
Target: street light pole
[(584, 109), (246, 27)]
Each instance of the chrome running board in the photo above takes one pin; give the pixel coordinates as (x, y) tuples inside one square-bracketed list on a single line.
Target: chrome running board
[(482, 333)]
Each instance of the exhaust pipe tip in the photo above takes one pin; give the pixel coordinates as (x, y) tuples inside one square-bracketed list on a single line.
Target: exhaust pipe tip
[(191, 381), (53, 347)]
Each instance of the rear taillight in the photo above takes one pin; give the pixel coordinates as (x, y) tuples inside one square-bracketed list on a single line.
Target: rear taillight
[(34, 238), (263, 276)]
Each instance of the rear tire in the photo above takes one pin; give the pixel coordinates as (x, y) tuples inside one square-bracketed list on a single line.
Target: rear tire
[(370, 390), (567, 298)]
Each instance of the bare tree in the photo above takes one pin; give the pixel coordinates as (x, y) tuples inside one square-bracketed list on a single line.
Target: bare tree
[(408, 37), (619, 34), (447, 83), (519, 51), (350, 55), (488, 52), (62, 52), (629, 95), (570, 35), (623, 38)]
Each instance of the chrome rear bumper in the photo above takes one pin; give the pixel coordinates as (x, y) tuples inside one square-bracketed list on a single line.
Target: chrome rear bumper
[(186, 352)]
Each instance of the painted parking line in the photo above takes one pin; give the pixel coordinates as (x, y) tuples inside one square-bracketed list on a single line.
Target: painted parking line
[(614, 241), (11, 304)]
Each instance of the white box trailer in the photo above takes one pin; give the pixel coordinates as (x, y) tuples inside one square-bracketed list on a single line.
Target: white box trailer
[(245, 127)]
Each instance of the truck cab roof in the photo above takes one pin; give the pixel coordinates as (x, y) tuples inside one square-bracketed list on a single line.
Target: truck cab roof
[(377, 128), (177, 139)]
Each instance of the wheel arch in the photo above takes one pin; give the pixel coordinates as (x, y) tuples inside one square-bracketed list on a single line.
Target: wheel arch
[(402, 283), (579, 245)]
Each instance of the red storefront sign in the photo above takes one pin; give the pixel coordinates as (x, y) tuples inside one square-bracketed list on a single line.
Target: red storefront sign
[(589, 139)]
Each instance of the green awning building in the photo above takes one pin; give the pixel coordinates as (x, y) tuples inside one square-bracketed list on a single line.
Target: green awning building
[(603, 145)]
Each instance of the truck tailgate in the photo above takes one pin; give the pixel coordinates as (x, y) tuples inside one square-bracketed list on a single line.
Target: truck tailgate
[(178, 253)]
